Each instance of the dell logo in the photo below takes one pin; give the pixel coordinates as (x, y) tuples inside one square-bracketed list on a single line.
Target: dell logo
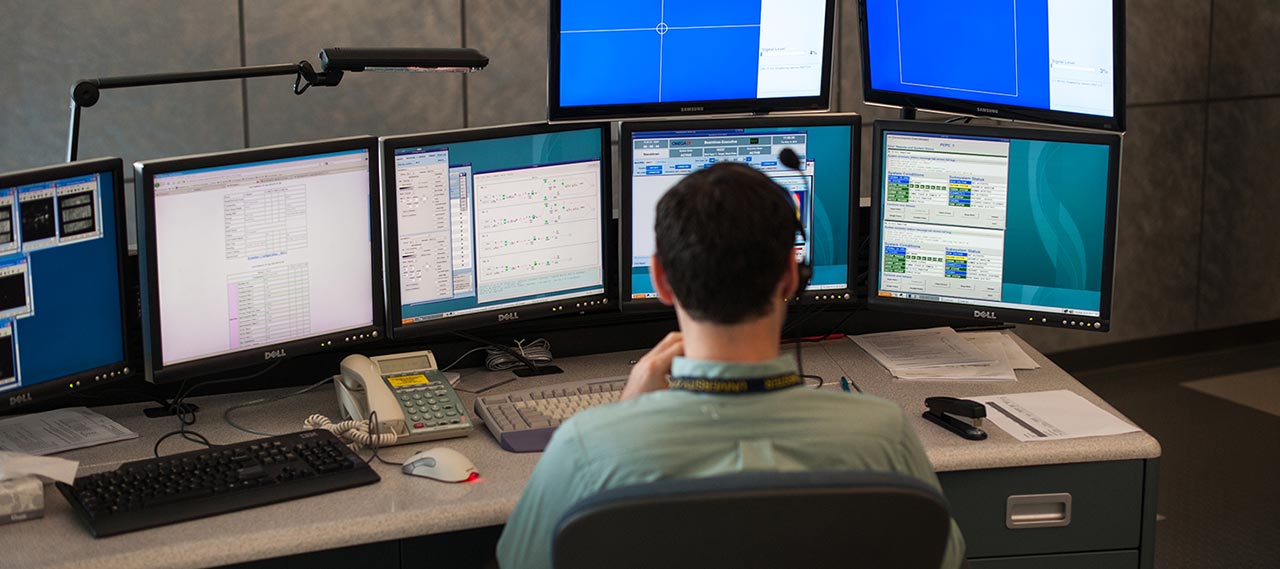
[(273, 354), (692, 109), (988, 314), (508, 316), (19, 399), (987, 110)]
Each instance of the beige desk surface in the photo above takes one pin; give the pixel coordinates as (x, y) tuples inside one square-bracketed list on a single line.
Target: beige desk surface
[(403, 506)]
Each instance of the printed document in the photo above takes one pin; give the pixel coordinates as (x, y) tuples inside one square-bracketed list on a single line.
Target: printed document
[(1051, 416), (60, 430)]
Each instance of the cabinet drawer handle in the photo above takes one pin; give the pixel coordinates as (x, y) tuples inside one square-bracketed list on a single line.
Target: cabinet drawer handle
[(1038, 511)]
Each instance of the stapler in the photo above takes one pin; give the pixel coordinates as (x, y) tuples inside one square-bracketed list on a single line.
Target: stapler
[(944, 410)]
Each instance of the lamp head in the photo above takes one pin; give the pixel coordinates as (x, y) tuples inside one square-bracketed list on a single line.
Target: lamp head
[(412, 59)]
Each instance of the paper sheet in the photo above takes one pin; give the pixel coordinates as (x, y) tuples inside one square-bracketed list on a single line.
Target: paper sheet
[(920, 348), (60, 430), (1018, 359), (1051, 416), (14, 465)]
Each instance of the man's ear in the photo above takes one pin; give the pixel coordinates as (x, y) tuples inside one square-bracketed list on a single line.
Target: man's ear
[(790, 283), (658, 275)]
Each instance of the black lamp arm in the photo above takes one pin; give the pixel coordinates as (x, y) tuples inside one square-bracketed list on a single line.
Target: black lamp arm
[(86, 92)]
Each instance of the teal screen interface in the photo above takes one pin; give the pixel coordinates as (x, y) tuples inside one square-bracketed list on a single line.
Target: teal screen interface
[(821, 191), (60, 310), (994, 222), (499, 223)]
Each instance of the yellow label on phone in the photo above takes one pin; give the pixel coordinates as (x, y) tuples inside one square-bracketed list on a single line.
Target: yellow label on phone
[(404, 380)]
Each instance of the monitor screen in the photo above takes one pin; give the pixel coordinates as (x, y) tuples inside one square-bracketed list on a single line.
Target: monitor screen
[(670, 57), (259, 254), (496, 225), (1058, 61), (1016, 225), (659, 154), (62, 248)]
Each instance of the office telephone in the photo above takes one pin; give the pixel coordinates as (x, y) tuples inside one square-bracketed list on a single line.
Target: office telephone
[(411, 397)]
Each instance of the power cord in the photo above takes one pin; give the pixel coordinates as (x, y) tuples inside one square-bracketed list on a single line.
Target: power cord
[(226, 415), (537, 351)]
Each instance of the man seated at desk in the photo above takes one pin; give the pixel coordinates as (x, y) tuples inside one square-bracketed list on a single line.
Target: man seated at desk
[(725, 261)]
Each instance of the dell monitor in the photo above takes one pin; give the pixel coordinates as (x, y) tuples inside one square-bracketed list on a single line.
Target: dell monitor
[(63, 326), (1051, 61), (996, 224), (255, 255), (668, 57), (496, 225), (656, 155)]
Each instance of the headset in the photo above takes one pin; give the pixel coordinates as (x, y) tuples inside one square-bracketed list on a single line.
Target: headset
[(804, 268)]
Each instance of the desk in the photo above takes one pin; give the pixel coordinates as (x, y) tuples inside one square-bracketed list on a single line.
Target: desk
[(976, 476)]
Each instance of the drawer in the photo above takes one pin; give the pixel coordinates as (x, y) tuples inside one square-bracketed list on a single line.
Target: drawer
[(1100, 560), (1102, 499)]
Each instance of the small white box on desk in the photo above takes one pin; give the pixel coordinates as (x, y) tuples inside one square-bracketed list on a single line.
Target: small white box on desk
[(21, 499)]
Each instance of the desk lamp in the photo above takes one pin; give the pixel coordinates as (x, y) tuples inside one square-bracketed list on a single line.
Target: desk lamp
[(334, 61)]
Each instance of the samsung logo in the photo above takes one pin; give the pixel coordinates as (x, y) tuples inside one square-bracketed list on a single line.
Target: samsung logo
[(19, 399), (988, 314), (986, 110), (273, 354), (508, 316), (692, 109)]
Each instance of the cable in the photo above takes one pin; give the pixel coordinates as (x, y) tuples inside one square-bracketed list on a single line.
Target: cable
[(528, 363), (537, 351), (355, 432), (462, 357), (821, 381), (185, 434), (226, 415)]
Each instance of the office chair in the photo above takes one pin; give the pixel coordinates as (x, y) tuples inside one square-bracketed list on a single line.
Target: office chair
[(758, 519)]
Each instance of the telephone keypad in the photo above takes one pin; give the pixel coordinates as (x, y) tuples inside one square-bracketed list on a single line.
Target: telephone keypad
[(431, 408)]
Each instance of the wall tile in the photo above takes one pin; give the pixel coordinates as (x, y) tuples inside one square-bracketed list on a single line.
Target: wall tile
[(1240, 271), (1167, 50), (49, 44), (1246, 53), (1158, 231), (513, 88), (365, 103)]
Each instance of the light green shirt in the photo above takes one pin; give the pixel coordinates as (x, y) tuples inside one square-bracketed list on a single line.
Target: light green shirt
[(683, 434)]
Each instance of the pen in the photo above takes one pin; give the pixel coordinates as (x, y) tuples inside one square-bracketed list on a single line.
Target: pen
[(845, 383)]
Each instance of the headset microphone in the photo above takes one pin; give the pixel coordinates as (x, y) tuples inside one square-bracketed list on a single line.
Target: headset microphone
[(791, 160)]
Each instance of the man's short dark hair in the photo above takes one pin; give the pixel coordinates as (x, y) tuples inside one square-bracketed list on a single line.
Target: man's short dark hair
[(725, 236)]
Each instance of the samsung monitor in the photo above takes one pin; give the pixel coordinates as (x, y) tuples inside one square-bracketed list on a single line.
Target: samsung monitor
[(63, 325), (1052, 61), (496, 225), (996, 224), (658, 154), (676, 57), (255, 255)]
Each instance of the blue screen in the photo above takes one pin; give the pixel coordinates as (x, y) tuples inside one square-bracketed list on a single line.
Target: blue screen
[(994, 221), (660, 159), (497, 223), (62, 312), (1029, 53), (655, 51)]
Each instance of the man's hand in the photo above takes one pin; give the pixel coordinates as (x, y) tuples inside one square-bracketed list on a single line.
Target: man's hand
[(650, 373)]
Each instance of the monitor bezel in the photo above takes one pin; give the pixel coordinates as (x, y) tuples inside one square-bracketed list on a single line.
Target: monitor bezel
[(1002, 111), (846, 297), (982, 313), (584, 304), (557, 112), (126, 367), (144, 185)]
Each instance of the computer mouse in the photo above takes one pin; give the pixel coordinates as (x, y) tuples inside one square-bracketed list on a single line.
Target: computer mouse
[(443, 464)]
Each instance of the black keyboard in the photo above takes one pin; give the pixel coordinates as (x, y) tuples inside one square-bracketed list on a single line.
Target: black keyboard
[(216, 480)]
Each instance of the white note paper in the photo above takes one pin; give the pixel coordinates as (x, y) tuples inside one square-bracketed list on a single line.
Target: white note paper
[(920, 348), (1018, 359), (60, 430), (1051, 416)]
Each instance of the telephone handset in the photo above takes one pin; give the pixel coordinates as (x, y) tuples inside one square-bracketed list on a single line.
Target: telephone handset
[(410, 395)]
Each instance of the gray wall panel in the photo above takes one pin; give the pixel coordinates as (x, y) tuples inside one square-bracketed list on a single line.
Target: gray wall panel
[(48, 45), (1167, 50), (514, 36), (365, 103), (1246, 48), (1158, 237), (1241, 265)]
